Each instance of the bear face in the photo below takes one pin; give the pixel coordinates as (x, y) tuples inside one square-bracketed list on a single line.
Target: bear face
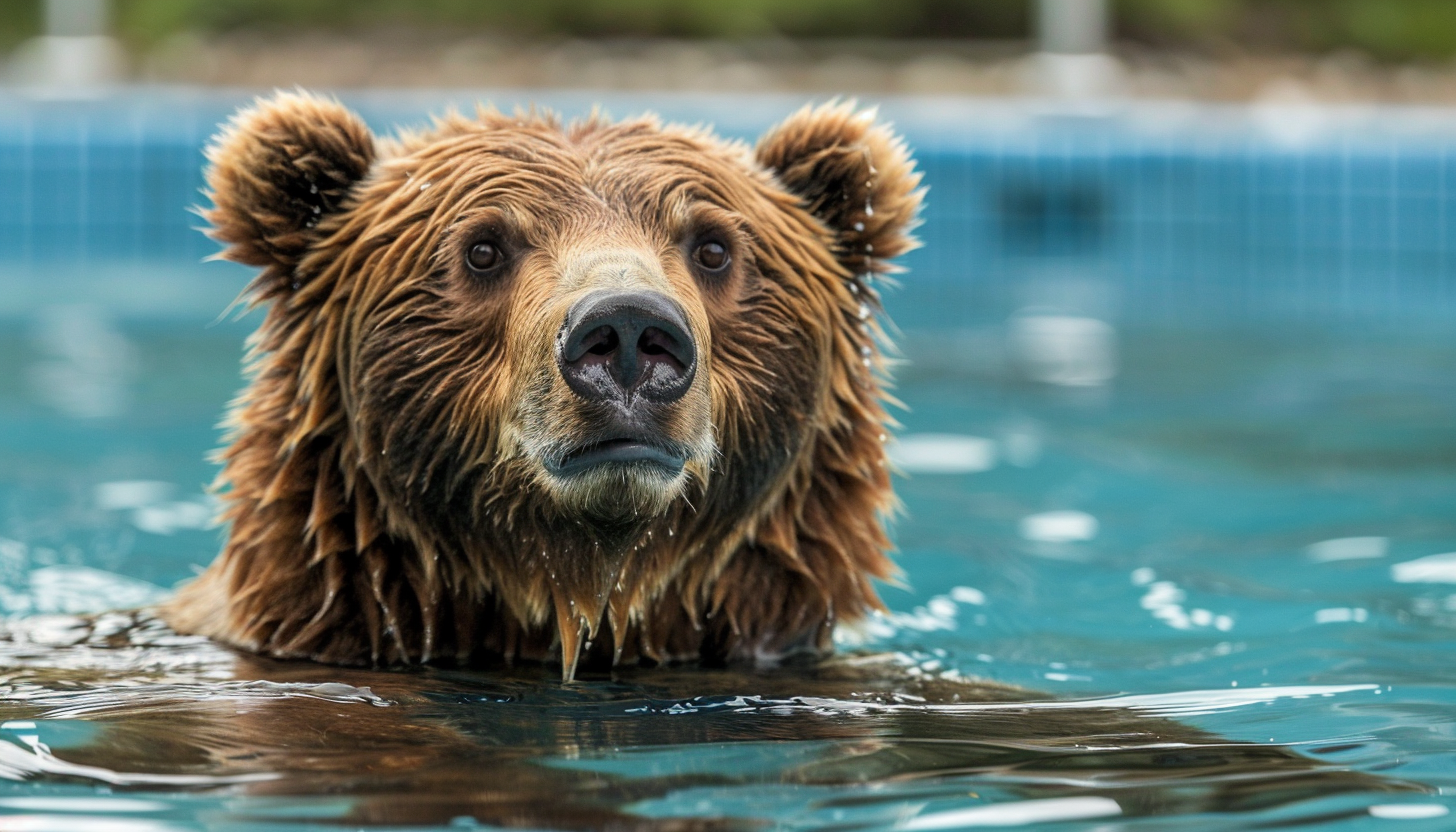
[(520, 381)]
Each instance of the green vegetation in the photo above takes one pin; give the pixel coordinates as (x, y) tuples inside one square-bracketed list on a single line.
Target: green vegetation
[(595, 18), (1389, 29), (19, 19)]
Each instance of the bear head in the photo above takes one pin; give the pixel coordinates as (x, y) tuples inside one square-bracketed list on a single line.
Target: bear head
[(519, 381)]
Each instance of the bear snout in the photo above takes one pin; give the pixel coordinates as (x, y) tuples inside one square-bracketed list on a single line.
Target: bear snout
[(620, 346)]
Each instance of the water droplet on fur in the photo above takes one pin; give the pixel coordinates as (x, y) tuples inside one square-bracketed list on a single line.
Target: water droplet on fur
[(425, 185), (854, 288), (869, 248), (669, 532), (313, 189), (297, 285), (884, 438), (864, 311), (869, 210), (864, 350), (867, 362), (859, 226)]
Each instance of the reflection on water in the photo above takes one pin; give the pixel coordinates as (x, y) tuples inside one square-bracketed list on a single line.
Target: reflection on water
[(1432, 569), (1348, 548), (1065, 350), (149, 507), (86, 364), (1065, 526), (941, 453), (194, 733)]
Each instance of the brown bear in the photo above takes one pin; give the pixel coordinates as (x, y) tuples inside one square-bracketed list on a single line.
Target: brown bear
[(528, 390)]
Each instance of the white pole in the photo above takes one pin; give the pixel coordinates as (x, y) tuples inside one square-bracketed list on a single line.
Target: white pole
[(75, 57), (1070, 27), (1072, 61), (75, 18)]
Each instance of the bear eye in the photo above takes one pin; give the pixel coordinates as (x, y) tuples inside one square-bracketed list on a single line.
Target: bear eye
[(484, 256), (711, 255)]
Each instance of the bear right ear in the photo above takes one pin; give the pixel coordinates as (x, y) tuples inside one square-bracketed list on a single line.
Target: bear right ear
[(277, 169), (855, 175)]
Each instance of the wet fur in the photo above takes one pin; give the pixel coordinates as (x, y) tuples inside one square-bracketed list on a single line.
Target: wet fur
[(379, 505)]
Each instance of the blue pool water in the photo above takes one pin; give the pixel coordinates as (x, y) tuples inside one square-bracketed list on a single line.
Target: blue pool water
[(1180, 465)]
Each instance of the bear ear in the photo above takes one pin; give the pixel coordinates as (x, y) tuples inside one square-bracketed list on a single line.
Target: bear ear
[(854, 174), (276, 170)]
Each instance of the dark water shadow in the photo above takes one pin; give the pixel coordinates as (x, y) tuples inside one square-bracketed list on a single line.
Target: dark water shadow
[(866, 741)]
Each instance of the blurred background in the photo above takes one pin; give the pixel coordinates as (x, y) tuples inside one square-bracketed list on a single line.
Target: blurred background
[(1218, 49), (1180, 375)]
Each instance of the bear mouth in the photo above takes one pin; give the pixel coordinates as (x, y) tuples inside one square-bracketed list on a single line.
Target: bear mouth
[(624, 450)]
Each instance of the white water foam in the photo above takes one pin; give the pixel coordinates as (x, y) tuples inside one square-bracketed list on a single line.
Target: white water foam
[(1020, 813), (69, 704), (1165, 601), (939, 613), (72, 590), (1177, 704), (1408, 811)]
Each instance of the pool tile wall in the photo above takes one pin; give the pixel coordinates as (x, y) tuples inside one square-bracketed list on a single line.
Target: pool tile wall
[(1164, 213)]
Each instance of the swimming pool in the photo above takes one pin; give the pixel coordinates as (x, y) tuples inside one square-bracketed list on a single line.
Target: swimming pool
[(1180, 448)]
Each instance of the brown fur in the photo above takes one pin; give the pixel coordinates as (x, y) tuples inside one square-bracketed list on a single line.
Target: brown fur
[(385, 497)]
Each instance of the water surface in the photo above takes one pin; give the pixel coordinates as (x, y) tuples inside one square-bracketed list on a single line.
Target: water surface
[(1168, 579)]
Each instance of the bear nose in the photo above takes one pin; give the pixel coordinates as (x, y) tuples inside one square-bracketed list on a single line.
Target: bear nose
[(619, 345)]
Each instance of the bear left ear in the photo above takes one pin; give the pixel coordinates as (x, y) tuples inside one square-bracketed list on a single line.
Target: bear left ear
[(277, 169), (855, 175)]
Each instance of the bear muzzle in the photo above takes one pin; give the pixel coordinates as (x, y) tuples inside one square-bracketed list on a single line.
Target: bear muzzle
[(628, 354)]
